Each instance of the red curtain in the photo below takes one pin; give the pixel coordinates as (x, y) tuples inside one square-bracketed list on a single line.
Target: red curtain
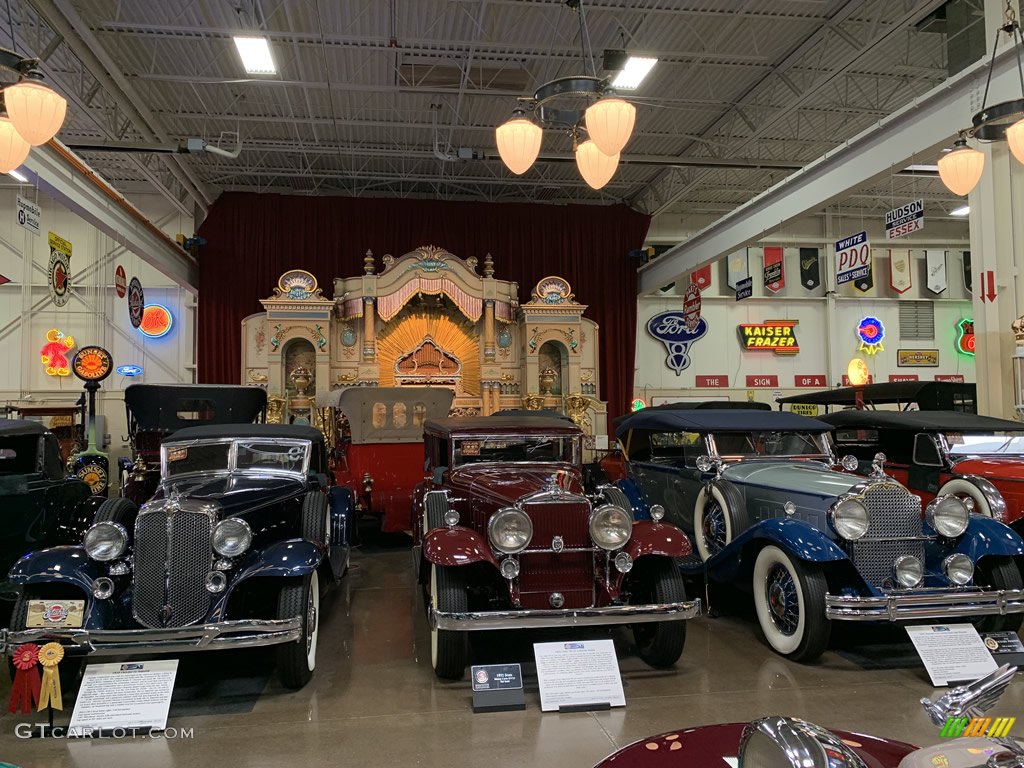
[(253, 238)]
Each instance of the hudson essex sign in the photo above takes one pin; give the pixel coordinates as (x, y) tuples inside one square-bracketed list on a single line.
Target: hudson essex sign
[(901, 221), (776, 336)]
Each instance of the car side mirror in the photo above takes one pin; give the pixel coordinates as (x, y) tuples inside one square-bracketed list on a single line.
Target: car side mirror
[(849, 462), (707, 465)]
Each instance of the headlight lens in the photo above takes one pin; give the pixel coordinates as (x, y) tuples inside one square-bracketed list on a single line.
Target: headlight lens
[(908, 571), (948, 515), (105, 541), (231, 537), (849, 519), (959, 568), (610, 527), (510, 530)]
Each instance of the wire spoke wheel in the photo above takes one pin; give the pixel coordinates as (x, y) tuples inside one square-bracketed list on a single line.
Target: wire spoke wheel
[(780, 591)]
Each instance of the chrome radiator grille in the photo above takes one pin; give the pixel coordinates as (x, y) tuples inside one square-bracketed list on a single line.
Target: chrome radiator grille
[(894, 512), (172, 557)]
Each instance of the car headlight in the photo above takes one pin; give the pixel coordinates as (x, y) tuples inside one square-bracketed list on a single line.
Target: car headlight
[(610, 526), (105, 541), (958, 568), (231, 537), (510, 530), (849, 519), (948, 516), (908, 571)]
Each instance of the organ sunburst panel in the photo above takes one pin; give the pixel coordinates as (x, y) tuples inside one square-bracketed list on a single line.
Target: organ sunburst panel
[(407, 332)]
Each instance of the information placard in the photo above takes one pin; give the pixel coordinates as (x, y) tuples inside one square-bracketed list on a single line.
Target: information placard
[(578, 675), (497, 687), (131, 694), (952, 653)]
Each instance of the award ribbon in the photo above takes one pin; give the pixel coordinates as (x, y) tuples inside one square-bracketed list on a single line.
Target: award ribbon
[(25, 689), (50, 656)]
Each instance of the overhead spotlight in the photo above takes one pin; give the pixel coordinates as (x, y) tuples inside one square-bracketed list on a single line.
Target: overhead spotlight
[(255, 54), (636, 69)]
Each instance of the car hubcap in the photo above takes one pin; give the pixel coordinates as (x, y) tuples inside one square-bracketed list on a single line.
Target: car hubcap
[(713, 528), (784, 609)]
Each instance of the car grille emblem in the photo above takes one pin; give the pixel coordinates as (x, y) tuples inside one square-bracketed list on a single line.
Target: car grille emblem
[(165, 614), (558, 544)]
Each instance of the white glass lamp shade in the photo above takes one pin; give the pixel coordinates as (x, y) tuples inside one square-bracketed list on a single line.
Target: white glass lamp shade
[(13, 148), (1015, 138), (857, 372), (595, 166), (36, 110), (961, 169), (518, 143), (610, 124)]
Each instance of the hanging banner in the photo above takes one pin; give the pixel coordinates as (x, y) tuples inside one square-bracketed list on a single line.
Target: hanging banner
[(936, 269), (966, 262), (737, 268), (29, 215), (58, 271), (774, 270), (810, 273), (701, 277), (900, 279), (901, 221), (853, 258), (744, 288)]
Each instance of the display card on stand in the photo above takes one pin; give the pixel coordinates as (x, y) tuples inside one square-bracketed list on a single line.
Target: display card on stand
[(578, 676), (497, 687), (131, 694), (952, 653), (1005, 647)]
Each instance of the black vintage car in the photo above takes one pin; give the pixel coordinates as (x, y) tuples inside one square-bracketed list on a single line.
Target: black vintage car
[(924, 395), (155, 411), (232, 551)]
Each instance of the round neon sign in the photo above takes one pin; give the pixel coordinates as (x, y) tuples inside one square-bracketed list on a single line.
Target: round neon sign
[(157, 321)]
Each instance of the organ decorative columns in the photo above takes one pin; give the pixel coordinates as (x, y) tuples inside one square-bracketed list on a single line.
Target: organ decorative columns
[(489, 330)]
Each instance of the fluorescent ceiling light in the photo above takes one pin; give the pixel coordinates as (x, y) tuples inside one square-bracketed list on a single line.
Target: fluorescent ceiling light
[(255, 53), (633, 73), (963, 210), (923, 168), (19, 176)]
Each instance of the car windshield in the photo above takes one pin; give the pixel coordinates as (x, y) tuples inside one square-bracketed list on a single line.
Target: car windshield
[(765, 444), (515, 448), (243, 455), (997, 443), (19, 455)]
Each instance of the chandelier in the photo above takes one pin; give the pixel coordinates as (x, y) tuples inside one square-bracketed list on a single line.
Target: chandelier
[(586, 107), (962, 167), (31, 112)]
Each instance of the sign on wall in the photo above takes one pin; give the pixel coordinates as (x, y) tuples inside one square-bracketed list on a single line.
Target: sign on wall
[(778, 336), (672, 330), (954, 377), (871, 332), (58, 271), (762, 381), (712, 382), (900, 276), (745, 288), (804, 409), (900, 222), (136, 302), (965, 337), (853, 260), (54, 354), (736, 268), (903, 377), (809, 380), (774, 270), (29, 215), (701, 277), (935, 261), (917, 358), (120, 282)]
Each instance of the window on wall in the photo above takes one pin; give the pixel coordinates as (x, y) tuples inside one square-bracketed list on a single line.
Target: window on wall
[(917, 321)]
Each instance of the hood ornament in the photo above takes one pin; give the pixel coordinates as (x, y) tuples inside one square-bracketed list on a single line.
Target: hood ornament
[(878, 466)]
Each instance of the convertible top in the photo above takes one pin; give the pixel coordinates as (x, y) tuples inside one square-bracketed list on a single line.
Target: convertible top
[(929, 395), (503, 425), (719, 420), (711, 405), (157, 406), (16, 427), (922, 421), (229, 431)]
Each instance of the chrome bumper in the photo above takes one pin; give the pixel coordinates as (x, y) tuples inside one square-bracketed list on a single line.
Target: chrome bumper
[(582, 617), (939, 604), (242, 633)]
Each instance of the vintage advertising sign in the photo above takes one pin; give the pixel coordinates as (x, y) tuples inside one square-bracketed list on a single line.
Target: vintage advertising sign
[(671, 329), (136, 302), (853, 259), (809, 380), (736, 268), (904, 377), (712, 382), (900, 222), (157, 321), (954, 377), (29, 215), (901, 279), (120, 282), (745, 288), (917, 358), (774, 270), (701, 277), (762, 381), (92, 363), (965, 337), (58, 271), (871, 332), (691, 306), (778, 336), (935, 261), (810, 270), (846, 380), (804, 409)]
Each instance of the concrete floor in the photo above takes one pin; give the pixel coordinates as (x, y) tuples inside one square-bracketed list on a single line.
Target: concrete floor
[(374, 699)]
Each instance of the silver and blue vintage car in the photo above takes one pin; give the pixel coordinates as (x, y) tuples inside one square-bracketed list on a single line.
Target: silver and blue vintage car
[(767, 511), (232, 551)]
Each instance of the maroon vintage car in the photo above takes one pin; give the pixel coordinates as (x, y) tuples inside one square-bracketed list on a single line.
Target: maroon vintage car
[(506, 536)]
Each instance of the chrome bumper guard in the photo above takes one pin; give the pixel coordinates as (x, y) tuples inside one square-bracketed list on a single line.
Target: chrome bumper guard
[(241, 633), (941, 603), (576, 617)]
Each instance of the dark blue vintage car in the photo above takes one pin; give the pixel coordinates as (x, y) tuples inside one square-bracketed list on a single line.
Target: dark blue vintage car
[(757, 492), (232, 551)]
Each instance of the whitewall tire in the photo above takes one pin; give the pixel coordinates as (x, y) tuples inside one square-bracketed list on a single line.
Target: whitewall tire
[(789, 596), (712, 522)]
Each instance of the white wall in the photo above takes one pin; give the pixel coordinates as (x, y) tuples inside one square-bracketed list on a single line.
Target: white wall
[(94, 314)]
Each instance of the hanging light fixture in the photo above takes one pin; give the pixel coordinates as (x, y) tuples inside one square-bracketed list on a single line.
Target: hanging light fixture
[(36, 110), (13, 148), (595, 166), (962, 168), (518, 142), (610, 123)]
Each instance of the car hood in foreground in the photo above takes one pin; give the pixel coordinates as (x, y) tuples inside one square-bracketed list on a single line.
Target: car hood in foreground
[(807, 477), (1008, 468), (235, 493), (506, 483)]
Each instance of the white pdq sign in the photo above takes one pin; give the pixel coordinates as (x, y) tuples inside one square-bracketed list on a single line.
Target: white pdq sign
[(853, 258), (901, 221), (29, 215)]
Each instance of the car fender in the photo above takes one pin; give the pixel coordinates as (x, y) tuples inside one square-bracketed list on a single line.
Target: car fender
[(985, 536), (793, 536), (989, 502), (342, 504), (637, 500), (650, 538), (290, 557), (457, 546), (76, 521), (57, 565)]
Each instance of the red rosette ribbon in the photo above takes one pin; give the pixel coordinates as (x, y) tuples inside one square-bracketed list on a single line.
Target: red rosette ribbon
[(25, 688)]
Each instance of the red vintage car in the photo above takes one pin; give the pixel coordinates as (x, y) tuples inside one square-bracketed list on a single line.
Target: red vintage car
[(378, 445), (941, 452), (507, 536)]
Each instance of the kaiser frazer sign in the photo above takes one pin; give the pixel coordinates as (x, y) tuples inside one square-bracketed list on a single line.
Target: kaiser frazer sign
[(672, 330), (853, 258), (904, 220)]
